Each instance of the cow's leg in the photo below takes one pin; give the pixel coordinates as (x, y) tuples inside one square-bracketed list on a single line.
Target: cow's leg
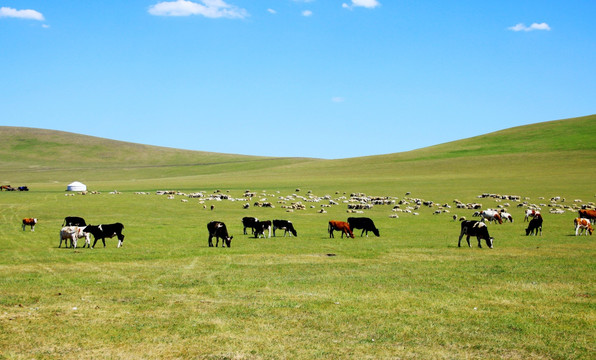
[(468, 240), (94, 241), (210, 241), (479, 241), (23, 227), (32, 227)]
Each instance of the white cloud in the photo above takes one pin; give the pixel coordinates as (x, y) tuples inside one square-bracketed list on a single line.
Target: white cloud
[(369, 4), (307, 13), (534, 26), (338, 99), (271, 11), (21, 14), (206, 8)]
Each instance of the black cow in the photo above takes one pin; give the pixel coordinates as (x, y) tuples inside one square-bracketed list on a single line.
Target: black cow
[(475, 228), (106, 231), (534, 226), (285, 225), (249, 222), (74, 221), (363, 223), (260, 228), (219, 230)]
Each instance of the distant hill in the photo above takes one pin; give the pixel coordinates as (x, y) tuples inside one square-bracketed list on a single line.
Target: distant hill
[(560, 147)]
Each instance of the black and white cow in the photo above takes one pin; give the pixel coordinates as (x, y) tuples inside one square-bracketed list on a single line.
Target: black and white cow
[(286, 226), (535, 226), (106, 231), (218, 230), (260, 228), (249, 222), (74, 221), (363, 223), (475, 228)]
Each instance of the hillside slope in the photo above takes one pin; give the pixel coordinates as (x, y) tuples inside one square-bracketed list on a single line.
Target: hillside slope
[(537, 155)]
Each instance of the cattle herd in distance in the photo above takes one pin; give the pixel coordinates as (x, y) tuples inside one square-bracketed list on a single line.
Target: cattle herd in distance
[(75, 228)]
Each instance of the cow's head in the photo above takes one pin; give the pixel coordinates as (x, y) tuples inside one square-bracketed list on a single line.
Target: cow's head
[(376, 232), (489, 242), (228, 241)]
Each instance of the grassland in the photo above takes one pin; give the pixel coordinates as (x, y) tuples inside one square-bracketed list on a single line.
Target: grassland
[(412, 293)]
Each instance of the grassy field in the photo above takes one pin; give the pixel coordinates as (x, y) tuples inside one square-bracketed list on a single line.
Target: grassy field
[(411, 293)]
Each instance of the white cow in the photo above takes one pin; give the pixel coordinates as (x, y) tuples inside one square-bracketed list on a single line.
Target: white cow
[(491, 215), (506, 216), (74, 233)]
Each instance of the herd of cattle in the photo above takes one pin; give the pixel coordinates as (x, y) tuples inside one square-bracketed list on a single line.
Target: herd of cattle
[(75, 228)]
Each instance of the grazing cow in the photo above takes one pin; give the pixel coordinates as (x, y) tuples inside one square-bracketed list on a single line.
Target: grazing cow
[(491, 215), (286, 226), (260, 228), (535, 225), (74, 221), (588, 214), (30, 222), (530, 214), (342, 226), (582, 225), (106, 231), (23, 188), (249, 222), (363, 223), (475, 228), (219, 230), (506, 216), (73, 233)]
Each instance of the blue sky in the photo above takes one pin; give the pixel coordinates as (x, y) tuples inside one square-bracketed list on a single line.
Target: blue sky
[(318, 78)]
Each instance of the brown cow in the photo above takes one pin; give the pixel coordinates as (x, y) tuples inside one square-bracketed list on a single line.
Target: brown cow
[(31, 222), (342, 226), (588, 214)]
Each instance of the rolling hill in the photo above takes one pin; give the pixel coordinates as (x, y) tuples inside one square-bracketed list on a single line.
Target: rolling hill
[(537, 155)]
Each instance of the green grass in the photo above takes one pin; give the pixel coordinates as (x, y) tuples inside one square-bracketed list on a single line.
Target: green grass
[(412, 293)]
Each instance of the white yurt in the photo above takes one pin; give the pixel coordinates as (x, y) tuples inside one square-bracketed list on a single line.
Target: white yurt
[(76, 186)]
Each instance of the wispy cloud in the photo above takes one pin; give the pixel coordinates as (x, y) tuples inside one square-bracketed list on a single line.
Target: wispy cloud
[(307, 13), (21, 14), (206, 8), (271, 11), (369, 4), (534, 26), (338, 99)]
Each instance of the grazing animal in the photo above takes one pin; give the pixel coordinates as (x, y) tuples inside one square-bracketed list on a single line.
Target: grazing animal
[(249, 222), (535, 225), (491, 215), (260, 228), (530, 214), (73, 233), (218, 230), (29, 222), (588, 214), (106, 231), (506, 216), (342, 226), (475, 228), (582, 225), (364, 223), (74, 221), (7, 188), (286, 226)]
